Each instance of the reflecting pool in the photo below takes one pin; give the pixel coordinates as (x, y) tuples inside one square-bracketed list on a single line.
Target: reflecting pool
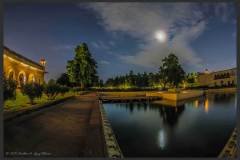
[(196, 128)]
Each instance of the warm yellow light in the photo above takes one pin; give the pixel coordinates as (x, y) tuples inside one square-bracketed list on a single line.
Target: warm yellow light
[(196, 103), (21, 63), (43, 62), (206, 105), (24, 64), (10, 58)]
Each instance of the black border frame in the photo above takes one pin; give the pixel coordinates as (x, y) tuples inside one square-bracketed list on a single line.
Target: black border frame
[(237, 4)]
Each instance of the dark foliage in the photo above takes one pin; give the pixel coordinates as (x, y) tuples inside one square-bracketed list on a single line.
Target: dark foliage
[(63, 80), (32, 90), (52, 89), (9, 89)]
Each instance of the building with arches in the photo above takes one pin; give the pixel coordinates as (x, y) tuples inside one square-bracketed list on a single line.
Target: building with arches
[(222, 78), (22, 69)]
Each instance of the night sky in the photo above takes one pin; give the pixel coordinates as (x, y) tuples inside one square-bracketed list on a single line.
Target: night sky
[(121, 36)]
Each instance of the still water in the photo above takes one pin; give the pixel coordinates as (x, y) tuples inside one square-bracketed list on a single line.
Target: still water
[(196, 128)]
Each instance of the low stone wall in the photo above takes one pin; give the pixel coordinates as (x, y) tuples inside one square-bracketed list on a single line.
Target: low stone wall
[(125, 94), (182, 95), (163, 94), (230, 149), (153, 94), (221, 90), (112, 148), (10, 115)]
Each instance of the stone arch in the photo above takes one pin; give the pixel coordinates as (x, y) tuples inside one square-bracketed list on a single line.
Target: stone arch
[(21, 78), (11, 74), (31, 78)]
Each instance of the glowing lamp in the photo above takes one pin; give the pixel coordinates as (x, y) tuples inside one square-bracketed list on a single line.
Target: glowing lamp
[(43, 62)]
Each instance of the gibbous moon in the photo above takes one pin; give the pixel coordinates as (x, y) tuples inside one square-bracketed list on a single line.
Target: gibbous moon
[(161, 36)]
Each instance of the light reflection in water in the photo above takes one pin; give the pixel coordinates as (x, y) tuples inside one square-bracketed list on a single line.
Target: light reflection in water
[(170, 133), (176, 109), (235, 103), (206, 105), (196, 103), (161, 139)]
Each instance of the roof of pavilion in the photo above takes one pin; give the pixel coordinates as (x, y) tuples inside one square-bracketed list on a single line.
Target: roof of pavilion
[(19, 57)]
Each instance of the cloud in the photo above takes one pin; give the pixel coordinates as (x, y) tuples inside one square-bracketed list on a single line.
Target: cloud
[(104, 62), (100, 45), (183, 23), (222, 10), (64, 47), (103, 45), (112, 43)]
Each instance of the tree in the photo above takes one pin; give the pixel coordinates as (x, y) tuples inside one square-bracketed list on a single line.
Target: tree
[(145, 79), (32, 90), (131, 78), (100, 83), (163, 77), (52, 89), (151, 79), (171, 71), (191, 78), (82, 69), (9, 89), (63, 80), (63, 90), (70, 71), (95, 81)]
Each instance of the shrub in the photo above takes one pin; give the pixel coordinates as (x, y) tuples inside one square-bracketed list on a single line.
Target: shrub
[(9, 89), (77, 89), (52, 90), (63, 90), (63, 80), (32, 90)]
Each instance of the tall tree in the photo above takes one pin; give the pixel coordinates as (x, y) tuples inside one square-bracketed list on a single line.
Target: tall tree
[(63, 80), (100, 83), (82, 70), (171, 71), (70, 70), (163, 77)]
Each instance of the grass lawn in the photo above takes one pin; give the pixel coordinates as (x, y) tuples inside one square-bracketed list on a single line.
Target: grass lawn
[(22, 101)]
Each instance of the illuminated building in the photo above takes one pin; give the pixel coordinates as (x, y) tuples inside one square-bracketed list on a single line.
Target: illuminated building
[(22, 69), (223, 78)]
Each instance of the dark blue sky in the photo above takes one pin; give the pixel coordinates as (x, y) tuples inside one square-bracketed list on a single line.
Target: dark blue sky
[(121, 35)]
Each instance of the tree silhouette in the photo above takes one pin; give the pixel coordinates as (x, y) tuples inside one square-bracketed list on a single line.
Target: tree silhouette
[(82, 69), (171, 71)]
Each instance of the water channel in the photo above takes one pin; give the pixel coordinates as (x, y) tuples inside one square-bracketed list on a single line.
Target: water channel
[(195, 128)]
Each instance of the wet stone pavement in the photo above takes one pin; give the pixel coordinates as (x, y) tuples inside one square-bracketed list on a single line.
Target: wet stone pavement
[(64, 130)]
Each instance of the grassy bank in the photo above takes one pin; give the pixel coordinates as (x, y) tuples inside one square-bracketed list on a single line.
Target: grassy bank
[(22, 101)]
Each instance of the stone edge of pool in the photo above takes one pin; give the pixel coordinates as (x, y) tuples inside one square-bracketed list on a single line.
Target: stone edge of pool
[(111, 144), (230, 149)]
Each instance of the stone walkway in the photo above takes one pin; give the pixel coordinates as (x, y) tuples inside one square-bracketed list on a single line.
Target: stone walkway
[(70, 129)]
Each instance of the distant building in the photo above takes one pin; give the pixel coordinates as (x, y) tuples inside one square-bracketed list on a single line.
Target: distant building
[(22, 69), (221, 78)]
